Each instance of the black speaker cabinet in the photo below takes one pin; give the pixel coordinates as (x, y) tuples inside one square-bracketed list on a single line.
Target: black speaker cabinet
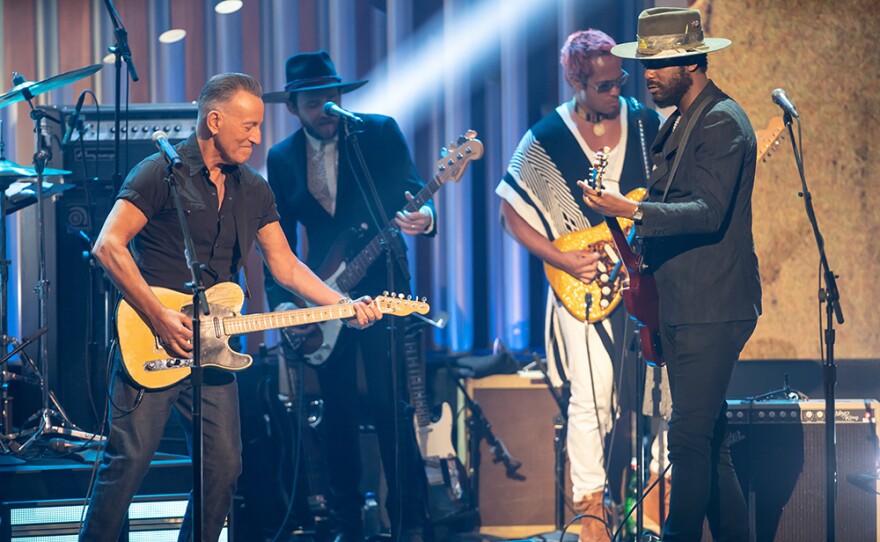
[(778, 449)]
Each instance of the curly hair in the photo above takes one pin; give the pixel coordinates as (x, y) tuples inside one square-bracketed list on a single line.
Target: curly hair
[(579, 48)]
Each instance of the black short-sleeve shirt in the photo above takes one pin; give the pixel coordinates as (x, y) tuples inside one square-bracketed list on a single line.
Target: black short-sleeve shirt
[(222, 234)]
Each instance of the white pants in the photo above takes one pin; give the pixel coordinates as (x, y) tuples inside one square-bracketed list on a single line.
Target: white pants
[(591, 374)]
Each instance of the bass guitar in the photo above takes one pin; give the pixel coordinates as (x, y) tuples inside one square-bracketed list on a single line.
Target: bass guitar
[(343, 276), (150, 366)]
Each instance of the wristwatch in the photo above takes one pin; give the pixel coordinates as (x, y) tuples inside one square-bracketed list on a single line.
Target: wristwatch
[(637, 214)]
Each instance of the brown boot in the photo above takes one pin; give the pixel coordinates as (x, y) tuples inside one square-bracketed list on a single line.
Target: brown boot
[(652, 519), (593, 529)]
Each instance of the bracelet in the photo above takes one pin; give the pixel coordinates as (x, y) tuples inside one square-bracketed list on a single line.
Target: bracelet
[(344, 301)]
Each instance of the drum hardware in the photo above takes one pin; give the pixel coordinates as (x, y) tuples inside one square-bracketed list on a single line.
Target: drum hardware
[(49, 420)]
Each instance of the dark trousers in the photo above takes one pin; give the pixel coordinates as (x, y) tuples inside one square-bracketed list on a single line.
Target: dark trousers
[(700, 360), (341, 436), (134, 438)]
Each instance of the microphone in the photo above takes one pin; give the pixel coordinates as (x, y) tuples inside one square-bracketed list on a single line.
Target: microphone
[(65, 446), (74, 119), (160, 138), (333, 110), (780, 99)]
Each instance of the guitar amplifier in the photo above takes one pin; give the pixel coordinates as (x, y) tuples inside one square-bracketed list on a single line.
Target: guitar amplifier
[(98, 139), (521, 412), (778, 449)]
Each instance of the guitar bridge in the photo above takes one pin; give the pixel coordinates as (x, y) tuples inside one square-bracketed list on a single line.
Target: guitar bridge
[(167, 363)]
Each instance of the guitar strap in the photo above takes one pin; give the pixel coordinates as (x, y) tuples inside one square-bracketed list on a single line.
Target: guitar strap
[(692, 121), (643, 113)]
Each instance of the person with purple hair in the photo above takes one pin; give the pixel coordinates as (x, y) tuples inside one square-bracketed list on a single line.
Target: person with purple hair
[(541, 202)]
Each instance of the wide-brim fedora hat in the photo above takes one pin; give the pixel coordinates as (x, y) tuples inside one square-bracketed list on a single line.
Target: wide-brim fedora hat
[(310, 71), (669, 33)]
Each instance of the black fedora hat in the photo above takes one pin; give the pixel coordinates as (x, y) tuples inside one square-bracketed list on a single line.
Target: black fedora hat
[(669, 33), (310, 71)]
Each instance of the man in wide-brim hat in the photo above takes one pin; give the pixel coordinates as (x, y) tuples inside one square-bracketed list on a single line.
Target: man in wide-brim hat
[(310, 71), (696, 226), (321, 185)]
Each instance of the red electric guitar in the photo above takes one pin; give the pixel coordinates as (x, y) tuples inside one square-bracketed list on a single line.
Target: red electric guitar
[(639, 289)]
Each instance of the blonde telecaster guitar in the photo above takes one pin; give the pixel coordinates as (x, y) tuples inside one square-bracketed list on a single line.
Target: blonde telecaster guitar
[(149, 365), (605, 291)]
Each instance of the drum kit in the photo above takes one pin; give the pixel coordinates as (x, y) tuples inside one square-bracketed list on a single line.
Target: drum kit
[(15, 182)]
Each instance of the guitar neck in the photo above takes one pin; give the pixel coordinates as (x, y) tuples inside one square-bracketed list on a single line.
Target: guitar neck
[(630, 258), (416, 380), (356, 269), (237, 325)]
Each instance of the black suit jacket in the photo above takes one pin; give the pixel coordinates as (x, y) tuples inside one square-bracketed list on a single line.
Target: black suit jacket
[(699, 241), (392, 169)]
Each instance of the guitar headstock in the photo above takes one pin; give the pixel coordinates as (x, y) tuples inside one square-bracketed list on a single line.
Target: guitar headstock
[(770, 138), (400, 305), (597, 169), (457, 155)]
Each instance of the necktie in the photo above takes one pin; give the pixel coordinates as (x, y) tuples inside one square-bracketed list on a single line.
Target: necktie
[(318, 179)]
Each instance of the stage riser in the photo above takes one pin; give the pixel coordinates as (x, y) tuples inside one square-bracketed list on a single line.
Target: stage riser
[(153, 518)]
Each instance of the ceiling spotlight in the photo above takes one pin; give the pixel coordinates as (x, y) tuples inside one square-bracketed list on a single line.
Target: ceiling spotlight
[(228, 6), (173, 35)]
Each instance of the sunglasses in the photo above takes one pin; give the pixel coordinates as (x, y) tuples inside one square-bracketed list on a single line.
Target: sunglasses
[(606, 86)]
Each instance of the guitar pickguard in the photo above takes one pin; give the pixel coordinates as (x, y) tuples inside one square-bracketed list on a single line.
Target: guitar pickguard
[(605, 291), (329, 330)]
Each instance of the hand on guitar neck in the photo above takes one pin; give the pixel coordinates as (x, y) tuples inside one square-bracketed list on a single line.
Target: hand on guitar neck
[(610, 204)]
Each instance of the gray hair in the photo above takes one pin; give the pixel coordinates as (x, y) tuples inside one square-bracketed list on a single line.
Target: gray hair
[(222, 87)]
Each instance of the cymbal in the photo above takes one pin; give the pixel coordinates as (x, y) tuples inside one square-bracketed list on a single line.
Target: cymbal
[(28, 89), (11, 169)]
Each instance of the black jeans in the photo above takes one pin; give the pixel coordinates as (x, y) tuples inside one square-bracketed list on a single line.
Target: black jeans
[(341, 436), (135, 436), (700, 360)]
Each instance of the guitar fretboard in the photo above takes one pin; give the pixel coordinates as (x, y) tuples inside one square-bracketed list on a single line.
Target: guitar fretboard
[(416, 377), (356, 269), (451, 168), (237, 325)]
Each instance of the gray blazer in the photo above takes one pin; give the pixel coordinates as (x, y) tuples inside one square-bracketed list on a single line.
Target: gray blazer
[(699, 240)]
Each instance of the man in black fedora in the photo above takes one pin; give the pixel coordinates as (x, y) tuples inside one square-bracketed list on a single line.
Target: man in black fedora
[(319, 185), (696, 227)]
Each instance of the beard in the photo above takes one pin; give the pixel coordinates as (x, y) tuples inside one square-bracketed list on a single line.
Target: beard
[(673, 90)]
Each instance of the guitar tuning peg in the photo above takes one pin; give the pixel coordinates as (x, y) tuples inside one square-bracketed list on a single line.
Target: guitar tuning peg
[(424, 300), (385, 293), (400, 296), (443, 152), (409, 297), (462, 140)]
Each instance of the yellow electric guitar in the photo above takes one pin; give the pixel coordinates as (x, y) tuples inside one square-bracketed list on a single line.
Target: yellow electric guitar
[(149, 365), (605, 290)]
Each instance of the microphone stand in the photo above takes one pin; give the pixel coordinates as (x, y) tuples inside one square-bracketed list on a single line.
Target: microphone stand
[(831, 297), (392, 254), (480, 428), (122, 52), (200, 306), (560, 434)]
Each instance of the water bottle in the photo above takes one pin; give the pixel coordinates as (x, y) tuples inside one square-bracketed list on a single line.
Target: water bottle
[(630, 499), (372, 516)]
